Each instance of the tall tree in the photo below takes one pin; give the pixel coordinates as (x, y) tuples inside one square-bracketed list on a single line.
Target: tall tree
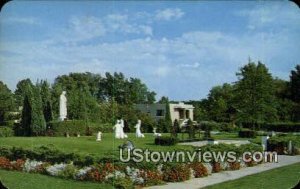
[(7, 102), (220, 99), (20, 90), (295, 92), (256, 94), (33, 121), (46, 100)]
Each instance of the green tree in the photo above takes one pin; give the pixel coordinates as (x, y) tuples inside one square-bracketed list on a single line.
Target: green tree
[(295, 92), (191, 129), (33, 121), (175, 128), (46, 100), (256, 94), (220, 99), (20, 90), (295, 84), (7, 102)]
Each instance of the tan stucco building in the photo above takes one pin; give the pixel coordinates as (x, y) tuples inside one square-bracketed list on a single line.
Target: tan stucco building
[(179, 111)]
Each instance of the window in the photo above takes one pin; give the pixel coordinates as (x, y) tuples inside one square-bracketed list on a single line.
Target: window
[(160, 113)]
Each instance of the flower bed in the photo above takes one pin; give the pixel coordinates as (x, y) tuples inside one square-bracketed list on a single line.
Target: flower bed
[(122, 175)]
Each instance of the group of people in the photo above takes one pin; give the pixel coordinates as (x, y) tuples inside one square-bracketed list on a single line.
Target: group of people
[(119, 129)]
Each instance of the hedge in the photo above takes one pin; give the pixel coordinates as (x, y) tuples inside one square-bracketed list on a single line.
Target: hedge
[(282, 127), (280, 143), (247, 134), (52, 155), (165, 141), (6, 131), (278, 126), (77, 126)]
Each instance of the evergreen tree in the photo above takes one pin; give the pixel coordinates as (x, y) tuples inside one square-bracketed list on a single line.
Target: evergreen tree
[(175, 128), (295, 92), (7, 102), (33, 121), (46, 101), (256, 94), (191, 129)]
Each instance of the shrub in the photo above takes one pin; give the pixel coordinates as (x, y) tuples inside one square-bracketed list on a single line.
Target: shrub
[(228, 127), (123, 183), (280, 143), (209, 125), (77, 126), (282, 127), (152, 178), (68, 171), (199, 169), (5, 163), (247, 134), (176, 172), (6, 131), (216, 167), (234, 165), (18, 165), (165, 141), (99, 172)]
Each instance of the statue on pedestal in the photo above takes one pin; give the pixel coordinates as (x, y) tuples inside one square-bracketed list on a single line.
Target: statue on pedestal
[(63, 106)]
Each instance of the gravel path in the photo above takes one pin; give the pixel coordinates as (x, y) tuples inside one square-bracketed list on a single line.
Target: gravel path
[(203, 143), (216, 178)]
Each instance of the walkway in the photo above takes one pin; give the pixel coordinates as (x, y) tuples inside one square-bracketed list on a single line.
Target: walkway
[(216, 178)]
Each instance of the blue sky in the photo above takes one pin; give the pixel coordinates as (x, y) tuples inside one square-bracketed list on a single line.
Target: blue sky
[(179, 49)]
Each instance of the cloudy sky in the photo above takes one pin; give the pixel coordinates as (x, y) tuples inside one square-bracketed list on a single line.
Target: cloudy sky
[(179, 49)]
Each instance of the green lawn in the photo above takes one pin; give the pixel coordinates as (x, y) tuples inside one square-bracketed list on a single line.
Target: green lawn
[(20, 180), (281, 178), (88, 145)]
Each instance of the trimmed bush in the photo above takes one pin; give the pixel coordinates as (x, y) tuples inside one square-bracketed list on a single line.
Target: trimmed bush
[(228, 127), (279, 144), (165, 141), (6, 132), (199, 169), (282, 127), (77, 126), (247, 134), (176, 172)]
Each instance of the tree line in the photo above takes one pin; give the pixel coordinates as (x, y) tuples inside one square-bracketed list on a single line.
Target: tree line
[(91, 97), (256, 97)]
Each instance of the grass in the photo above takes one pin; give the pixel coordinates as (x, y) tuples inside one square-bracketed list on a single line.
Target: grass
[(88, 145), (21, 180), (280, 178)]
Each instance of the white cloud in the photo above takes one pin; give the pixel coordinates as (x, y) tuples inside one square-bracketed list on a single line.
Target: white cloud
[(194, 65), (272, 15), (169, 14), (203, 58), (22, 20)]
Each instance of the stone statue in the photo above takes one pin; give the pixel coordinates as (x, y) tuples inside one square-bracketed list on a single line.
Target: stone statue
[(99, 136), (63, 106), (264, 142), (138, 132), (118, 129)]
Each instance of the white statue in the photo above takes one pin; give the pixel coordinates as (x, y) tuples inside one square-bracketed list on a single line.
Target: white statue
[(63, 106), (123, 135), (155, 133), (118, 130), (264, 142), (138, 132), (99, 136)]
